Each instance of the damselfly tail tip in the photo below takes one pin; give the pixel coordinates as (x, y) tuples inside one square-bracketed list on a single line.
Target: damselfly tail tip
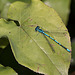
[(69, 50)]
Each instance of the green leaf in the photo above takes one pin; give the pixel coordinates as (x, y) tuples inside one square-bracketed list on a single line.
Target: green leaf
[(6, 71), (4, 5), (30, 49), (61, 6), (5, 10)]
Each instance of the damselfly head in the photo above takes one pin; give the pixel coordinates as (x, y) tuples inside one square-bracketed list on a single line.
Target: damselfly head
[(37, 28)]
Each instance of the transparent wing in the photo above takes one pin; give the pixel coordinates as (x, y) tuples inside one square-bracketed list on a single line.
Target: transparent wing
[(57, 33)]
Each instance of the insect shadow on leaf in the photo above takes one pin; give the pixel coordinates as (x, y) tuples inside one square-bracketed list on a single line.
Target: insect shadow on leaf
[(49, 43)]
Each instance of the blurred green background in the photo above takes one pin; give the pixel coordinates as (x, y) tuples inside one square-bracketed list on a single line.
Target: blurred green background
[(71, 29)]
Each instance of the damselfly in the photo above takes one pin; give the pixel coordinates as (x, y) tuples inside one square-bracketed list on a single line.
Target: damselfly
[(41, 31)]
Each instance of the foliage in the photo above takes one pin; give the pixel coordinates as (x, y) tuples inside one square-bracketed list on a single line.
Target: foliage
[(36, 52)]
